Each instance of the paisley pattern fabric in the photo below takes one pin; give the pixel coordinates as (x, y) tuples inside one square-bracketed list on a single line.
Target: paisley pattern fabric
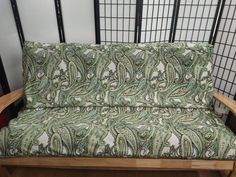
[(160, 75), (135, 100), (118, 132)]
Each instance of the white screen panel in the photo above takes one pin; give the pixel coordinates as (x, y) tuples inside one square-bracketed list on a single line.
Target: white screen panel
[(78, 16), (38, 20)]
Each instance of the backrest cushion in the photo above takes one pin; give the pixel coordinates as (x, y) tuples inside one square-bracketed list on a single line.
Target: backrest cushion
[(161, 75)]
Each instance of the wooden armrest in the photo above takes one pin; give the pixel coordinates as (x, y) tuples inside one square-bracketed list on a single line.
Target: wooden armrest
[(228, 102), (8, 99)]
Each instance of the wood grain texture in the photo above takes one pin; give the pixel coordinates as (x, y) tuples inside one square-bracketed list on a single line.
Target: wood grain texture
[(8, 99), (118, 163), (228, 102)]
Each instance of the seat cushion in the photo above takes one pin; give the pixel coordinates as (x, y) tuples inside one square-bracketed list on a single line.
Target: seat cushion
[(118, 132)]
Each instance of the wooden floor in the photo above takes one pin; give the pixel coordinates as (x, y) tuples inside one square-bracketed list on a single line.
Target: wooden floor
[(35, 172)]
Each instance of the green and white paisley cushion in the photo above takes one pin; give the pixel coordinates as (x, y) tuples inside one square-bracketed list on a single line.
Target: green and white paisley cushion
[(162, 75), (118, 132)]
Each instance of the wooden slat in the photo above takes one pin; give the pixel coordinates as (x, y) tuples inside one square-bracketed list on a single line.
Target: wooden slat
[(229, 103), (118, 163), (10, 98)]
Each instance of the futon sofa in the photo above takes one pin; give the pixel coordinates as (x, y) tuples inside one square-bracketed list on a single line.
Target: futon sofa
[(135, 106)]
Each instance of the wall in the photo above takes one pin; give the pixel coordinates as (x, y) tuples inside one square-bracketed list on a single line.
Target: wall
[(10, 49), (39, 23)]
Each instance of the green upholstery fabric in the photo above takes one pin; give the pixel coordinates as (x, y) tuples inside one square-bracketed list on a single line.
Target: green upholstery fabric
[(162, 75), (151, 101), (119, 132)]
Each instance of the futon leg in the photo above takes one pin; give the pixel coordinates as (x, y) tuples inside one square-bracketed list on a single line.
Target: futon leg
[(233, 173), (4, 172)]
